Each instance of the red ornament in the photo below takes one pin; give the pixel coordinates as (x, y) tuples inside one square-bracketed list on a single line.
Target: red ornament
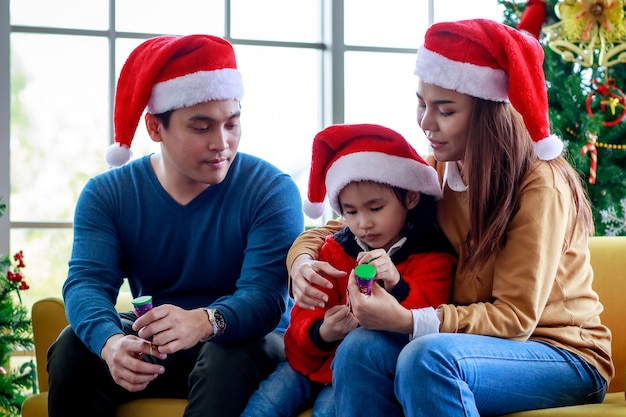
[(533, 18), (590, 147), (608, 100)]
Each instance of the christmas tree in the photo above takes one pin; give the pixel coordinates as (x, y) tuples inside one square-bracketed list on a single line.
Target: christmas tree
[(585, 66), (15, 334)]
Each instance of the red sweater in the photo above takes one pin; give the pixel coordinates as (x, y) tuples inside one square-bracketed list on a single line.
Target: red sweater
[(428, 276)]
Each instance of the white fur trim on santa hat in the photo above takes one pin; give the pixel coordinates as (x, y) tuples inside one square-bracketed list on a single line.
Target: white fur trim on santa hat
[(463, 77), (117, 155), (383, 168), (313, 210), (198, 87), (549, 148)]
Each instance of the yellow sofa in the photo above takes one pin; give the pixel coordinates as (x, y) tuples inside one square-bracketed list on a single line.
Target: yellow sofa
[(608, 256), (48, 317)]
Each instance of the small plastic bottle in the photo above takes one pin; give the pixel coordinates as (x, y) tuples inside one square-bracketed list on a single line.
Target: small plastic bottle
[(365, 274), (142, 305)]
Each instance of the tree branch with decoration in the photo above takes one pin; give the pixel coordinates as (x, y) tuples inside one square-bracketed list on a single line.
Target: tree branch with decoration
[(585, 66), (15, 334)]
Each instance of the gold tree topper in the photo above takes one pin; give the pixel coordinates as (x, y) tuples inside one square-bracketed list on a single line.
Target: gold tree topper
[(589, 30)]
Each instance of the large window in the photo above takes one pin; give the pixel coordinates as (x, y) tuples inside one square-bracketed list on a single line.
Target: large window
[(305, 64)]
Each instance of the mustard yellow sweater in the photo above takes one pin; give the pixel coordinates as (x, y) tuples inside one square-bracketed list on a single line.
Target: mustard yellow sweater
[(537, 286)]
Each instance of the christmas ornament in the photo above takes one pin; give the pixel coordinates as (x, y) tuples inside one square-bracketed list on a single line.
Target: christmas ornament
[(613, 146), (590, 147), (533, 18), (616, 222), (591, 32), (610, 102)]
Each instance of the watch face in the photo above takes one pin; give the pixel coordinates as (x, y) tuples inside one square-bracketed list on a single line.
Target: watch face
[(219, 320)]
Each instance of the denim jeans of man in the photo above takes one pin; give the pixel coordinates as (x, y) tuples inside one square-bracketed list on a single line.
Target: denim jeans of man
[(286, 393), (379, 373)]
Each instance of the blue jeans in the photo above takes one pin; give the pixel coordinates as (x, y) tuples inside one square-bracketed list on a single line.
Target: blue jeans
[(381, 374), (286, 393)]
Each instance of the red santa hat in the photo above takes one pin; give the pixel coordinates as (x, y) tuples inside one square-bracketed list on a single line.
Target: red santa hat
[(492, 61), (364, 152), (167, 73)]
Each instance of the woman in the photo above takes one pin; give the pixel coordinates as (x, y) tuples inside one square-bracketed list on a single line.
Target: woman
[(523, 330)]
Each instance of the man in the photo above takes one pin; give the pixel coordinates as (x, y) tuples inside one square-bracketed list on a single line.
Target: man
[(202, 229)]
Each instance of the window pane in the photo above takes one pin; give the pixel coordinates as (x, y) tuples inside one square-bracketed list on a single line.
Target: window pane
[(445, 10), (46, 253), (164, 16), (277, 20), (59, 122), (380, 88), (77, 14), (281, 108), (393, 23)]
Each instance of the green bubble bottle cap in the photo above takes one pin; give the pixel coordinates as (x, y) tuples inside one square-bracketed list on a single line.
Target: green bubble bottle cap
[(143, 300), (365, 271)]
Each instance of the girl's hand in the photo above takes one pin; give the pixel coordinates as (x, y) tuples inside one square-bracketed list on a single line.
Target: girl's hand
[(385, 268), (338, 322)]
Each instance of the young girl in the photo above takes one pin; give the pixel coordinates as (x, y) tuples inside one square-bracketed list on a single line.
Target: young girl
[(523, 330), (386, 193)]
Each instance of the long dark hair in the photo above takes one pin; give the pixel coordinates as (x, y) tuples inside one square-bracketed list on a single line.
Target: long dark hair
[(498, 156)]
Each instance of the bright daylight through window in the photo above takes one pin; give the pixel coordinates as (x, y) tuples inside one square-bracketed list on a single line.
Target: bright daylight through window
[(305, 64)]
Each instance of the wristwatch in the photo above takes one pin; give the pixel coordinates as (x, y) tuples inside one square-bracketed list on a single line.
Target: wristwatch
[(216, 318)]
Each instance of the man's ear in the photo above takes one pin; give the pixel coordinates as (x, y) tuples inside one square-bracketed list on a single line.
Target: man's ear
[(153, 125), (412, 198)]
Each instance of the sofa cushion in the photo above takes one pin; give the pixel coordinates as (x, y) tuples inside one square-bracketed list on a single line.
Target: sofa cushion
[(614, 405)]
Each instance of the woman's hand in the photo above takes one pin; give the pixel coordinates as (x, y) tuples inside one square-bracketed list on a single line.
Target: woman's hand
[(380, 310), (304, 273)]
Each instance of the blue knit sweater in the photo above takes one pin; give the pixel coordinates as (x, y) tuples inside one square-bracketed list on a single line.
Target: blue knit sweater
[(225, 249)]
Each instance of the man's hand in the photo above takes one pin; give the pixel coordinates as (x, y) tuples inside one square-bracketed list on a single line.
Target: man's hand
[(305, 272), (123, 354), (173, 328), (338, 322)]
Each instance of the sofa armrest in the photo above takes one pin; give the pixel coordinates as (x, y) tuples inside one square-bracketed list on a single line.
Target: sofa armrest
[(608, 258), (48, 317)]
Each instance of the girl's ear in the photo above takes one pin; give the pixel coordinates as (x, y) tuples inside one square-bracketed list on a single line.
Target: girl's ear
[(411, 199), (154, 127)]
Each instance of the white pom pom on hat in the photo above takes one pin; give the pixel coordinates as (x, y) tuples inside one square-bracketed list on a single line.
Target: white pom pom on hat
[(345, 153), (167, 73), (313, 210), (117, 155), (492, 61)]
